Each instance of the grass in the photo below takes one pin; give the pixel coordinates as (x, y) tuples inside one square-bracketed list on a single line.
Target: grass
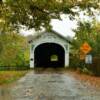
[(7, 77)]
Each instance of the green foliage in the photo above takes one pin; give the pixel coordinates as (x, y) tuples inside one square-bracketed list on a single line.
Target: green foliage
[(90, 33), (14, 46), (83, 33), (38, 13), (74, 61), (87, 32)]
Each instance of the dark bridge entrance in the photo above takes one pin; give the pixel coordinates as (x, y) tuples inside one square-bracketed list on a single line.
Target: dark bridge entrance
[(49, 55)]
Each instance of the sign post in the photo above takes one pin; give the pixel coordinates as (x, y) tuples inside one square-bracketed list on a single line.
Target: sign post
[(84, 50)]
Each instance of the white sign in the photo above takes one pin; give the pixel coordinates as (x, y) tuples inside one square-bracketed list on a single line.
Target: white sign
[(88, 59)]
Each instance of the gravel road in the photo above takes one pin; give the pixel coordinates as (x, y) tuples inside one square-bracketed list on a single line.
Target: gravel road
[(50, 84)]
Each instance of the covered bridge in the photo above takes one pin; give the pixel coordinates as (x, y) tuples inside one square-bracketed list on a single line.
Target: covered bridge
[(49, 49)]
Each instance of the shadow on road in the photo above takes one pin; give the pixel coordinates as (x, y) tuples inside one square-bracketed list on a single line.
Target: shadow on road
[(49, 70)]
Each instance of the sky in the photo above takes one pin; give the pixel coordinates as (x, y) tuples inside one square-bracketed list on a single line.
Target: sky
[(64, 26)]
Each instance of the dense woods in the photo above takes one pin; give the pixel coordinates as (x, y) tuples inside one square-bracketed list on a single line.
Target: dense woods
[(14, 50)]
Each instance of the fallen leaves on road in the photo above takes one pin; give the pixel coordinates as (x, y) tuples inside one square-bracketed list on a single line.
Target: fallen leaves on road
[(92, 80)]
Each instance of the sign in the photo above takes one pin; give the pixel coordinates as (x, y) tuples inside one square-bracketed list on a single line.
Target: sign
[(88, 59), (85, 48)]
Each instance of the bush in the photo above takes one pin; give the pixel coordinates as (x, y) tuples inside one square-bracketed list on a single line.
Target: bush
[(95, 67), (74, 61)]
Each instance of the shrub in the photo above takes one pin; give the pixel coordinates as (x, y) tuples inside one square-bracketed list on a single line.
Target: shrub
[(95, 67), (74, 61)]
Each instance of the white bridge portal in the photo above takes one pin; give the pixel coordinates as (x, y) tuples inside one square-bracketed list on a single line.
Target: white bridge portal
[(49, 49)]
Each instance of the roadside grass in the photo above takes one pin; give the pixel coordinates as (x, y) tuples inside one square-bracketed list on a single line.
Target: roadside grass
[(7, 77)]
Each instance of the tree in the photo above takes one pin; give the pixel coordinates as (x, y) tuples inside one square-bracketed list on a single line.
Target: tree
[(88, 32), (38, 13), (14, 46)]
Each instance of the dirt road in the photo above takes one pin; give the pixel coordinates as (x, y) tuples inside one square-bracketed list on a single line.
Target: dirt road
[(51, 84)]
